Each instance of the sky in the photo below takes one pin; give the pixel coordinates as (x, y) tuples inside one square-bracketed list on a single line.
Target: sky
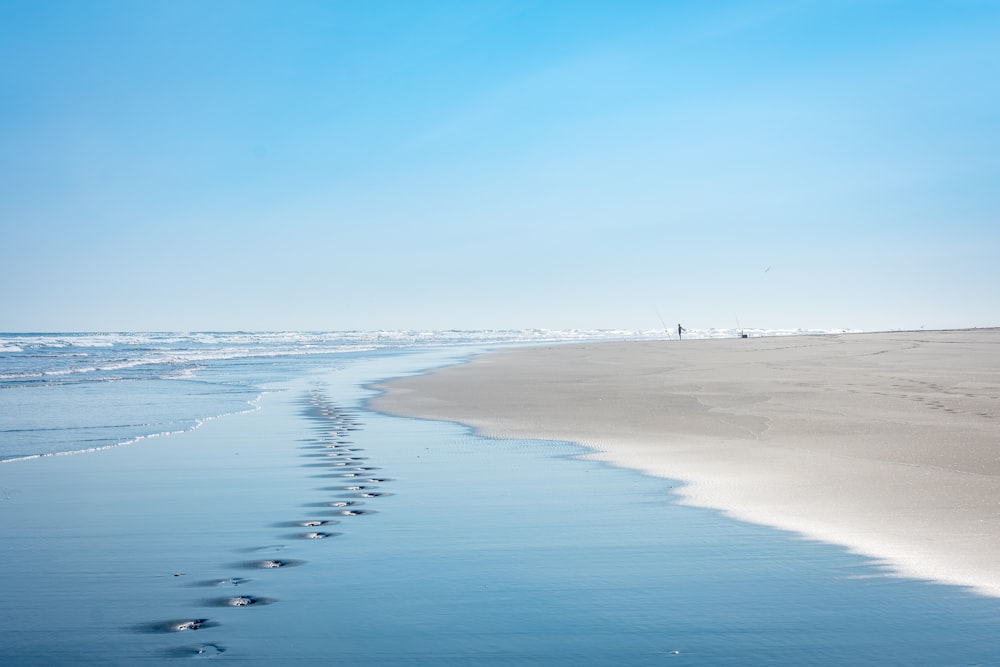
[(193, 165)]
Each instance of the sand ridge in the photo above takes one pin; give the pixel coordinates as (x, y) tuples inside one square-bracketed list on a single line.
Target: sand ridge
[(888, 443)]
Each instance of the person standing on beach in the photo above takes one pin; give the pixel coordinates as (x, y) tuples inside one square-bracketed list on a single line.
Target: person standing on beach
[(680, 330)]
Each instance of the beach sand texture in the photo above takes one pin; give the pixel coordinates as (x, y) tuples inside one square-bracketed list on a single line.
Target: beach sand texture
[(887, 443)]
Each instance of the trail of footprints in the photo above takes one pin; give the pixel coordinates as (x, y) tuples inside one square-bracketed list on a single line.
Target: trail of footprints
[(331, 450), (934, 397)]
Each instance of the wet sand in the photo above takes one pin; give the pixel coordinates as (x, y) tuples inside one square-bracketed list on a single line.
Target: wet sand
[(887, 443), (156, 551)]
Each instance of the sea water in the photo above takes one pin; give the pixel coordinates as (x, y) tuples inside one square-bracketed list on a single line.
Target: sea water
[(309, 530)]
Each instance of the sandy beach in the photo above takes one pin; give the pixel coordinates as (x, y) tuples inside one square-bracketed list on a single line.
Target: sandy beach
[(887, 443)]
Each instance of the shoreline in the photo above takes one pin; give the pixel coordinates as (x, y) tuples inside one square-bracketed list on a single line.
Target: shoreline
[(885, 443)]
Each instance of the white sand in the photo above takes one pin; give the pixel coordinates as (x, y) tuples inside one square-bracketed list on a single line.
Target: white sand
[(886, 443)]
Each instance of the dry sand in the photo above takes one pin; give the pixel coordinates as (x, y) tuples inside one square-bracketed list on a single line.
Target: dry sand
[(887, 443)]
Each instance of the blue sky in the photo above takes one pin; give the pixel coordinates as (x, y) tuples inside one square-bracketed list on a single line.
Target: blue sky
[(192, 165)]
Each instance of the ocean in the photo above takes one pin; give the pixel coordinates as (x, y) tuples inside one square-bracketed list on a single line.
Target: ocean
[(166, 497)]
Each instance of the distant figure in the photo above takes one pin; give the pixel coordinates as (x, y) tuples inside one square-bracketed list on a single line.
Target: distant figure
[(680, 330)]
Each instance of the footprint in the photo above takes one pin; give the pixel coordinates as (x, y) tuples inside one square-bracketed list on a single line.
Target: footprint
[(318, 535), (340, 473), (201, 651), (230, 582), (268, 564), (181, 625), (269, 547), (239, 601), (305, 523)]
